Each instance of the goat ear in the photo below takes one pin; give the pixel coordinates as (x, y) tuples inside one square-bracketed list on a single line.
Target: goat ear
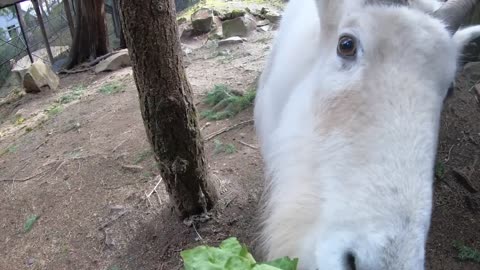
[(331, 12), (465, 35)]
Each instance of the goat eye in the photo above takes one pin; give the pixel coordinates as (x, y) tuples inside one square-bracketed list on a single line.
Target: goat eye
[(347, 47)]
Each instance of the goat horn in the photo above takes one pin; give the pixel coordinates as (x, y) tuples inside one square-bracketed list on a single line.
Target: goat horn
[(453, 12)]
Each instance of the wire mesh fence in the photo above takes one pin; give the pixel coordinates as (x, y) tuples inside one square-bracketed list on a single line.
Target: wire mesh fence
[(13, 46)]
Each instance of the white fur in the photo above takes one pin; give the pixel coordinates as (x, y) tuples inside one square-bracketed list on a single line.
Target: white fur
[(349, 145)]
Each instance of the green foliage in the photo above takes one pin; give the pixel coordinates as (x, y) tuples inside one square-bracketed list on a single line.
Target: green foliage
[(439, 170), (112, 88), (11, 149), (54, 109), (225, 103), (231, 255), (75, 94), (143, 155), (225, 148), (466, 253), (29, 223)]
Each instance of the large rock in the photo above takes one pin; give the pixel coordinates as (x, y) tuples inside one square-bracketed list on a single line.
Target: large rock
[(217, 32), (117, 61), (39, 76), (240, 26), (202, 20)]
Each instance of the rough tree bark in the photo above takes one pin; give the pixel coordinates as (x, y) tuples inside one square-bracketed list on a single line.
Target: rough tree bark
[(166, 103), (90, 40)]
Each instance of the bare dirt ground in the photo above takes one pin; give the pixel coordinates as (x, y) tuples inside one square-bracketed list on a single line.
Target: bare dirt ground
[(84, 168)]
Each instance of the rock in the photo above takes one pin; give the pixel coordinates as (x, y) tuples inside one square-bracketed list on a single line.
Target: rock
[(263, 23), (231, 41), (186, 34), (216, 33), (181, 20), (202, 20), (39, 76), (241, 26), (233, 14), (265, 28), (273, 17), (117, 61)]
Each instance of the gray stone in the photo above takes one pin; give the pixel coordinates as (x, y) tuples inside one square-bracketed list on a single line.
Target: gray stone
[(263, 23), (241, 26), (273, 17), (216, 33), (39, 76), (117, 61), (202, 20), (231, 41)]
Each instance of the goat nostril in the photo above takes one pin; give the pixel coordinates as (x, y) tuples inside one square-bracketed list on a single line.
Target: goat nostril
[(347, 46), (351, 261)]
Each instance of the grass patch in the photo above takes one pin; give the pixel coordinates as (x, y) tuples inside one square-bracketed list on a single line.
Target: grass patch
[(225, 103), (11, 149), (466, 253), (54, 109), (143, 155), (19, 120), (112, 88), (31, 220), (75, 94), (224, 148)]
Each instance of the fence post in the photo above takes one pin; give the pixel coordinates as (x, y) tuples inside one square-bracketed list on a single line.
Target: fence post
[(42, 27), (22, 28)]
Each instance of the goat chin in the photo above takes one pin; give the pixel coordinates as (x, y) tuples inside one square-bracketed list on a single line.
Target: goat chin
[(349, 143)]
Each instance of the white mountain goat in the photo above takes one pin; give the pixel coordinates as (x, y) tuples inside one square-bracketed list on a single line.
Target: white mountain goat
[(347, 114)]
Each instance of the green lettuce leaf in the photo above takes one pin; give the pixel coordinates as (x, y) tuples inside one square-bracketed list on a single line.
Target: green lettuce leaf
[(231, 255)]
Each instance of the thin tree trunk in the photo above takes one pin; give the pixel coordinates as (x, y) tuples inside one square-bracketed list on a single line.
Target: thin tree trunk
[(68, 12), (166, 103), (116, 13), (90, 40)]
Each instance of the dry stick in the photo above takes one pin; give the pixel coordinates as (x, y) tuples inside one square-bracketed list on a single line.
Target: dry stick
[(449, 152), (248, 145), (26, 178), (155, 188), (223, 130)]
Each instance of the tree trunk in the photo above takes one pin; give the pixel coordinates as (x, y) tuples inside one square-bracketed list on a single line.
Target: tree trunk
[(166, 103), (90, 40)]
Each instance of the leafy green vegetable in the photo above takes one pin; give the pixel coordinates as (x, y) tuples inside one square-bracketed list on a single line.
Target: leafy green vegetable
[(231, 255)]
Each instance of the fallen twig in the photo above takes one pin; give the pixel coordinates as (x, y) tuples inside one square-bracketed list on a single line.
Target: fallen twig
[(109, 222), (449, 152), (248, 145), (226, 129), (26, 178), (155, 188), (133, 168)]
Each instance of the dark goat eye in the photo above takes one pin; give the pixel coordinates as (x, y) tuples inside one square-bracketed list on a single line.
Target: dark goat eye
[(347, 46)]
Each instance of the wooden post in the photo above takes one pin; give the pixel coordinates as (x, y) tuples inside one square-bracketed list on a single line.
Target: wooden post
[(68, 11), (21, 21), (42, 27)]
